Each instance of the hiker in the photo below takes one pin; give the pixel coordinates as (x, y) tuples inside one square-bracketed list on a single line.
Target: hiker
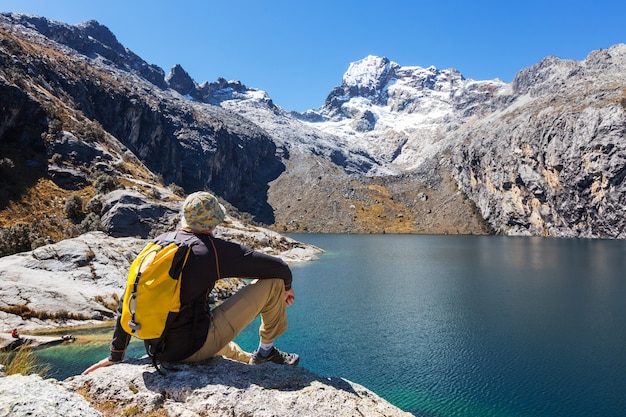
[(15, 334), (198, 334)]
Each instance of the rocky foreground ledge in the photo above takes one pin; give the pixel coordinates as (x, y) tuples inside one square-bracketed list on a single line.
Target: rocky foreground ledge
[(79, 281), (218, 387)]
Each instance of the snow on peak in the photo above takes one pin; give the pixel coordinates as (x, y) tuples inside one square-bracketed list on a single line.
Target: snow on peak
[(394, 114), (384, 118), (368, 72)]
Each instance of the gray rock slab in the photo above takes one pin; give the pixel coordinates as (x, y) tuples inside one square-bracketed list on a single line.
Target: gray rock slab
[(221, 387)]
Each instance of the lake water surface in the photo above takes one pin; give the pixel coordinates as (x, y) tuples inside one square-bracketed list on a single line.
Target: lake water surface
[(458, 325)]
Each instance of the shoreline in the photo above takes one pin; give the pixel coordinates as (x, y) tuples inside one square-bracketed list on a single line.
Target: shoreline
[(9, 343), (90, 273)]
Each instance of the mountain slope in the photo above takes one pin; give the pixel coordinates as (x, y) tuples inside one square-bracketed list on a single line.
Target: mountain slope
[(553, 162), (393, 149), (98, 97), (543, 155)]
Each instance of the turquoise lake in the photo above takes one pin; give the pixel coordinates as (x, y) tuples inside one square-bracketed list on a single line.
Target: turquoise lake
[(453, 325)]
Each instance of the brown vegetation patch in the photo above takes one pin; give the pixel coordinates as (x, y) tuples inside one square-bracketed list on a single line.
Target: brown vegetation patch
[(42, 206), (118, 408), (379, 213), (26, 312), (110, 303)]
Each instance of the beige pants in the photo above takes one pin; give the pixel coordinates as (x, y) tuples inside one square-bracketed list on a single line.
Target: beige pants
[(263, 296)]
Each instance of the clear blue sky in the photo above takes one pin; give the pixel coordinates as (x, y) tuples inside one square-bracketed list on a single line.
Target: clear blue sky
[(298, 51)]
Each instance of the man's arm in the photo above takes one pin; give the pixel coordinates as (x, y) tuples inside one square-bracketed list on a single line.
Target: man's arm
[(238, 261), (119, 343)]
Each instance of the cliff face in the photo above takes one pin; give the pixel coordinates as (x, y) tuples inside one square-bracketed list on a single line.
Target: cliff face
[(80, 80), (553, 162)]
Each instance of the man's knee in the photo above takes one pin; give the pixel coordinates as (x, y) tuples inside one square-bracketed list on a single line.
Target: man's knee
[(270, 285)]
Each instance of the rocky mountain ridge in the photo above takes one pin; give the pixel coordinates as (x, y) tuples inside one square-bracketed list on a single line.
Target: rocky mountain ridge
[(393, 149), (105, 102), (494, 139), (553, 162)]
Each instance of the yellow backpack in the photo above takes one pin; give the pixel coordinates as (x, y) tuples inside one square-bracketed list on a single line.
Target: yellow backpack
[(153, 287)]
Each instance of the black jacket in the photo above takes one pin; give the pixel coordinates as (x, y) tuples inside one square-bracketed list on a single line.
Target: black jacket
[(187, 330)]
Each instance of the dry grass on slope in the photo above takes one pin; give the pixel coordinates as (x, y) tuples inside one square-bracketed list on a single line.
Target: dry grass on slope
[(380, 213), (42, 206)]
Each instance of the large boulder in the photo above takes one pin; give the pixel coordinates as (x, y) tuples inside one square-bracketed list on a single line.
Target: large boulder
[(77, 281), (130, 213)]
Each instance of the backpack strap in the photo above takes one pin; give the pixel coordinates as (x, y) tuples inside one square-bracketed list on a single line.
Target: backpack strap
[(153, 356), (219, 276), (217, 261)]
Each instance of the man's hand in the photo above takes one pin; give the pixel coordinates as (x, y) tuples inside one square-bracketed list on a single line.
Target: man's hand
[(289, 297), (104, 362)]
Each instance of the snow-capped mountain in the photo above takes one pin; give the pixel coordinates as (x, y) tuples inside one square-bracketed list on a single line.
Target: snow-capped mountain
[(401, 114), (393, 148), (383, 119), (389, 120)]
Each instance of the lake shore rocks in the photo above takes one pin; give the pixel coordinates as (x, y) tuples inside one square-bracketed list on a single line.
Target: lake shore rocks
[(33, 396), (78, 281)]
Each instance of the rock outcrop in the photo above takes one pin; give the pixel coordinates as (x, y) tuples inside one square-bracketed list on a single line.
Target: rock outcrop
[(218, 387), (178, 79), (33, 396), (80, 280), (130, 213)]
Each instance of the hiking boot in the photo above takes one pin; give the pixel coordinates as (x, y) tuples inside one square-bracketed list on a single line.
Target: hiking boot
[(276, 356)]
